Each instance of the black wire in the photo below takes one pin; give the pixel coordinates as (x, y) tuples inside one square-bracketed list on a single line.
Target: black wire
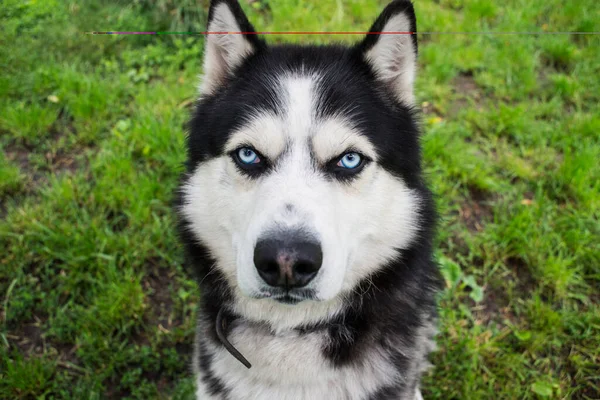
[(221, 326)]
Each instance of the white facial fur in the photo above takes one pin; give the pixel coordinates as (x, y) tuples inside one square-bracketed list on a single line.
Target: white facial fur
[(394, 58), (359, 224)]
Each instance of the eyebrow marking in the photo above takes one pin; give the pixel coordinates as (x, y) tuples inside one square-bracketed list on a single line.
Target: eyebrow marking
[(334, 136), (263, 132)]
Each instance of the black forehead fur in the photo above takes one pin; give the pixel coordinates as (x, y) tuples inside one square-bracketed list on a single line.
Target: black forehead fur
[(346, 86)]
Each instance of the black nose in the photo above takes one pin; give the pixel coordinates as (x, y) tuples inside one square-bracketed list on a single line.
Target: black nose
[(287, 263)]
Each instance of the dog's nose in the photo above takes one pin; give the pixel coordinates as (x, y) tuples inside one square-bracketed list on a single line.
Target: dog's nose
[(287, 264)]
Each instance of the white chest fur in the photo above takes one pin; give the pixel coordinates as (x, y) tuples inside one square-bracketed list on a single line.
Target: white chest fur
[(291, 366)]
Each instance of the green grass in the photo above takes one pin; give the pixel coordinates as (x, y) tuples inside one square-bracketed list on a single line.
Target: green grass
[(94, 302)]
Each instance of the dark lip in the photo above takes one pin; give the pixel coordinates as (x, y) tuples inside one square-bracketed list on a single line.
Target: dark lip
[(285, 297)]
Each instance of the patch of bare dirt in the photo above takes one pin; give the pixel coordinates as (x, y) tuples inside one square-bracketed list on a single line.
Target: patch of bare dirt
[(161, 306), (494, 307), (464, 83), (19, 155), (474, 215), (160, 285), (465, 87), (476, 210), (30, 339), (58, 163), (521, 274), (61, 162), (58, 160)]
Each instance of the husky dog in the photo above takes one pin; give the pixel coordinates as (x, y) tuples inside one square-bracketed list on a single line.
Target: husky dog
[(305, 216)]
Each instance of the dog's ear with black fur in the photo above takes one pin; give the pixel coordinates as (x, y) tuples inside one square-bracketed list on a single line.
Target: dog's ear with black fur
[(393, 54), (225, 51)]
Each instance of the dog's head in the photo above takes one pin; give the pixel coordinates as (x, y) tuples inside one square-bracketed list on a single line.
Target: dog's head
[(304, 167)]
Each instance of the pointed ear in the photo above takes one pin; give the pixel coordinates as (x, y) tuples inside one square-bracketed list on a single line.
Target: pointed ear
[(393, 56), (224, 52)]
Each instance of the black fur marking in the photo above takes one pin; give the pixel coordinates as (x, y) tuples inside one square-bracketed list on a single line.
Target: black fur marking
[(217, 116)]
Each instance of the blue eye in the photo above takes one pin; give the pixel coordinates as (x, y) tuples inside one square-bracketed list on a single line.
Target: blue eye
[(350, 161), (248, 156)]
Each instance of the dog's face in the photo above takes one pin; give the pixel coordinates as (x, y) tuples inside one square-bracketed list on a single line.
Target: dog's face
[(304, 165)]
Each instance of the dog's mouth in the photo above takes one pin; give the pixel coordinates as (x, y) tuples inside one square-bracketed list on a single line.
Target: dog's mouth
[(287, 299), (291, 297)]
